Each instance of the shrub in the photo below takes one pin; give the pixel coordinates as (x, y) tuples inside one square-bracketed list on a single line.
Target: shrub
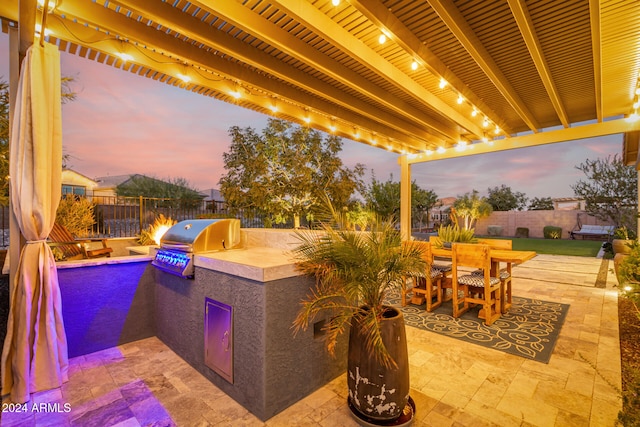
[(76, 215), (494, 230), (522, 232), (552, 232), (629, 275)]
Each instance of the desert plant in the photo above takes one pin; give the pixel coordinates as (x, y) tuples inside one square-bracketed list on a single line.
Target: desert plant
[(494, 230), (353, 269), (75, 214), (624, 233), (453, 233), (552, 232)]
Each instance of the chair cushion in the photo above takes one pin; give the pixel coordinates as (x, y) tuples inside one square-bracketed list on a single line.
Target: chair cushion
[(476, 280), (445, 268), (435, 273), (504, 274)]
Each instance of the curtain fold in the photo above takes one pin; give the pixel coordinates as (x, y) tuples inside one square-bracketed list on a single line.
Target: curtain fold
[(34, 356)]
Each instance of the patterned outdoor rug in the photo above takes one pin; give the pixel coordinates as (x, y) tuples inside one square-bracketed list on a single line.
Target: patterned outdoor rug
[(530, 329)]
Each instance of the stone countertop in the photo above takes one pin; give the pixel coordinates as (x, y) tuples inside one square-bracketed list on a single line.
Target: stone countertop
[(262, 264)]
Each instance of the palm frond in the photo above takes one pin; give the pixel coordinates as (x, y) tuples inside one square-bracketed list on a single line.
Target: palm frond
[(353, 269)]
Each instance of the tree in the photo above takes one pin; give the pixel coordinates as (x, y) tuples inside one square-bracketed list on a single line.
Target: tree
[(171, 188), (541, 204), (67, 96), (472, 207), (383, 198), (504, 199), (286, 171), (610, 191), (422, 201)]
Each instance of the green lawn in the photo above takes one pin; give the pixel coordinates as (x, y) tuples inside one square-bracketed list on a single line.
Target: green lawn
[(587, 248)]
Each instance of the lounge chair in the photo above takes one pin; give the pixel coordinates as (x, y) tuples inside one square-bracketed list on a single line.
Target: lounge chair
[(73, 248)]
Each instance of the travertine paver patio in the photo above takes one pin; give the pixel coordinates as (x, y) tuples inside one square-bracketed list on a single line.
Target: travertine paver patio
[(453, 382)]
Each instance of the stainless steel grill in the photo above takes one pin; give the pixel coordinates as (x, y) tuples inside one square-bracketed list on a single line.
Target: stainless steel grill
[(188, 238)]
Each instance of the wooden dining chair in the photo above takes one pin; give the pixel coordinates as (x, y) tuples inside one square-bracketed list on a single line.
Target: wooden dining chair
[(504, 274), (430, 285), (445, 267), (471, 289)]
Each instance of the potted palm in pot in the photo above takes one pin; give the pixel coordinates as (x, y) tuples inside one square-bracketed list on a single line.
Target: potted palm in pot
[(354, 270)]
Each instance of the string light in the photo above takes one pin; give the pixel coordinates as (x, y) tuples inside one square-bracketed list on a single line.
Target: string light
[(443, 83), (474, 112), (441, 150), (185, 78), (460, 99), (382, 38), (414, 65), (461, 146), (38, 30), (335, 2)]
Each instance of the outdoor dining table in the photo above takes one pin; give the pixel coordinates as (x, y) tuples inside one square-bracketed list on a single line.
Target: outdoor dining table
[(497, 256)]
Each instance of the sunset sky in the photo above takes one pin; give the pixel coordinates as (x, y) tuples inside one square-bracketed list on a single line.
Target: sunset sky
[(122, 123)]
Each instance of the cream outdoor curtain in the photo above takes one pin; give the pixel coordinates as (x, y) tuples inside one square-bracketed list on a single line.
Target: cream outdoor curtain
[(34, 357)]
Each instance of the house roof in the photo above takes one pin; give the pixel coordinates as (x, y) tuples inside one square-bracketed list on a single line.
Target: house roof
[(534, 72), (115, 180)]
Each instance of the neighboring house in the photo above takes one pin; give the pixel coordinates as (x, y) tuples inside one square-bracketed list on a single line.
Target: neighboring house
[(76, 183), (440, 212), (106, 185), (214, 201), (212, 194)]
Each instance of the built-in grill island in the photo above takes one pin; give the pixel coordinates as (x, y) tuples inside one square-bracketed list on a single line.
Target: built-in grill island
[(232, 322), (195, 236)]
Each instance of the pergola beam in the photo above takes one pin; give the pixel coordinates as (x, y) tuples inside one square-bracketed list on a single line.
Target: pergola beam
[(456, 23), (377, 13), (523, 19), (161, 47), (596, 43), (321, 24), (611, 127)]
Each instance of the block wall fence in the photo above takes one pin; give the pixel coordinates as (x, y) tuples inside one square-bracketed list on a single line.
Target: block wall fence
[(535, 221)]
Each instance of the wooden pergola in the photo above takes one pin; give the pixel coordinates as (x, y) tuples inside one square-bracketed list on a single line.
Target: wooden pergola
[(450, 79)]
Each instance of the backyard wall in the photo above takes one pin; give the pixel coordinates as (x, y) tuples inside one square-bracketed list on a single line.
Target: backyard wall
[(535, 221)]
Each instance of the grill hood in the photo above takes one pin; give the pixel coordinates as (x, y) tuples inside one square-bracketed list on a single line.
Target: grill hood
[(202, 235)]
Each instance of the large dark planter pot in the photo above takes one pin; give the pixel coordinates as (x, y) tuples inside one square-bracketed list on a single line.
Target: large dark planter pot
[(378, 392)]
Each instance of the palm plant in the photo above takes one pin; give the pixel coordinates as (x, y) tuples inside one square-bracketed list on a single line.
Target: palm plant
[(354, 270)]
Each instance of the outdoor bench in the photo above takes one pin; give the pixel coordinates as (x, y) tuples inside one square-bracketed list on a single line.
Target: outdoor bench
[(593, 232)]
